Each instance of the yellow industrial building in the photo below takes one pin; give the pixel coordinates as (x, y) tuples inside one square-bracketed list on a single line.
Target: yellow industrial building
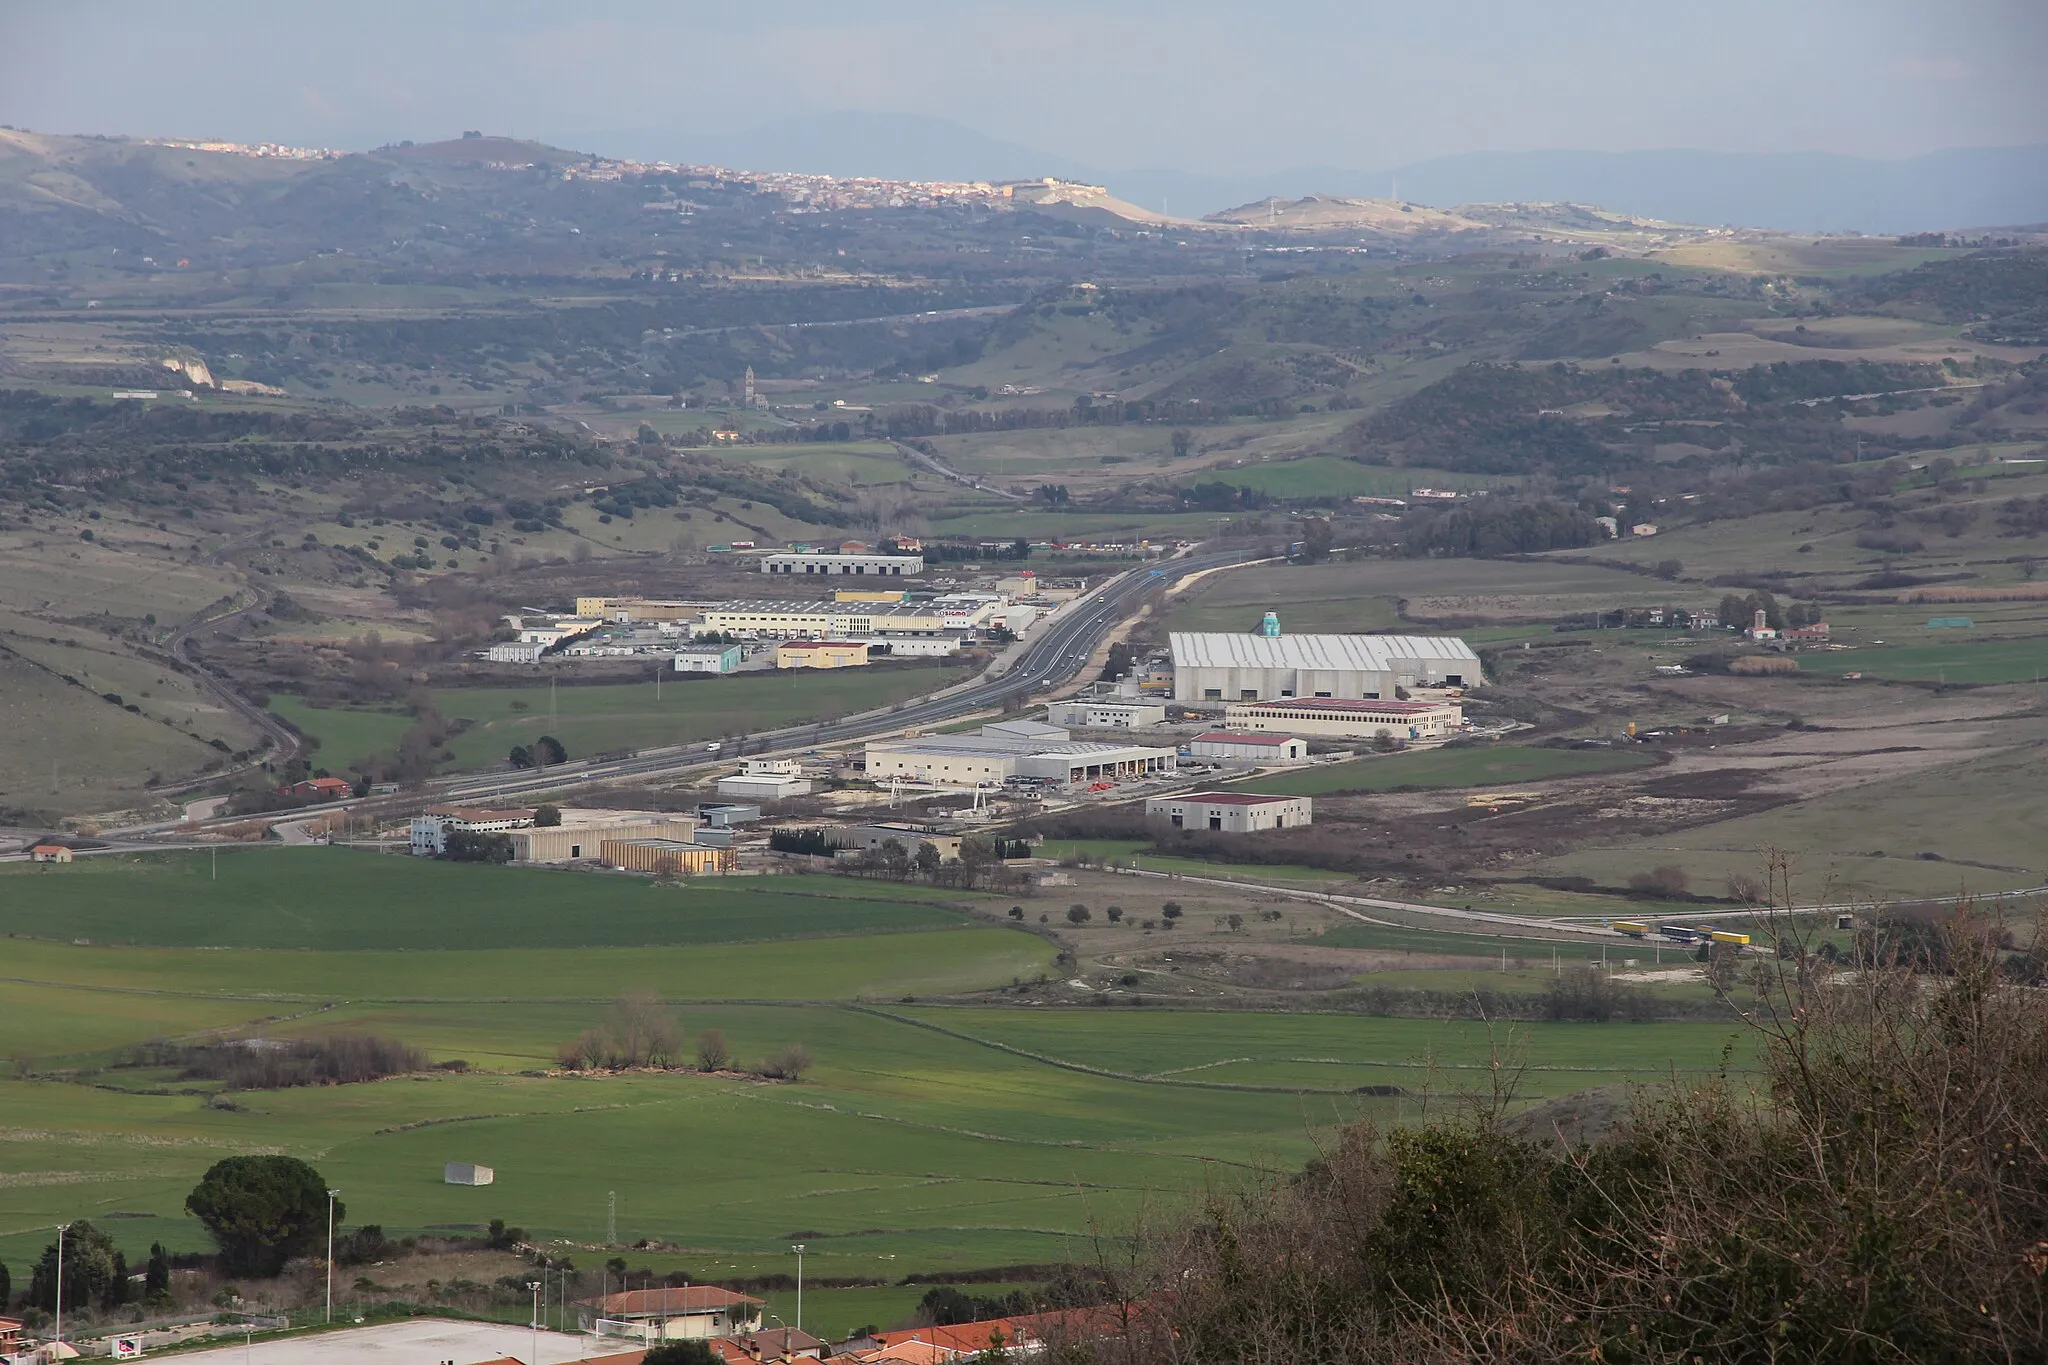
[(666, 855), (821, 654)]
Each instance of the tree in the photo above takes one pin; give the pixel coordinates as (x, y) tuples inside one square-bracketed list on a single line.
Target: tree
[(1668, 569), (680, 1353), (6, 1284), (94, 1272), (1016, 912), (520, 757), (1316, 539), (1171, 910), (1183, 443), (548, 751), (1115, 913), (469, 846), (712, 1053), (927, 859), (156, 1278), (1079, 914), (547, 817), (261, 1211)]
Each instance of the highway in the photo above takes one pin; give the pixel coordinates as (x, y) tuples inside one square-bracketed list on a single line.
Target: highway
[(1060, 652)]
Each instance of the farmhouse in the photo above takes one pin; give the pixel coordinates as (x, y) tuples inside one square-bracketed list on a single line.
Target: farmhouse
[(1246, 746), (694, 1312), (844, 565), (333, 788), (49, 853), (1222, 667), (430, 830), (1231, 812), (1344, 719)]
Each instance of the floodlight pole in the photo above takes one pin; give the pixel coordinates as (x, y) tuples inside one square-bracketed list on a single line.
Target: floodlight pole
[(798, 1248), (330, 1255), (533, 1328)]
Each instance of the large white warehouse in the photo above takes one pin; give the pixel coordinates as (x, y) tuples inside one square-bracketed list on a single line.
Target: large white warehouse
[(1226, 668), (1011, 749)]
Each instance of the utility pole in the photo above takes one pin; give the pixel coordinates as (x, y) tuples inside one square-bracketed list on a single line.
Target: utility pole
[(331, 1194), (533, 1328), (799, 1250), (611, 1218)]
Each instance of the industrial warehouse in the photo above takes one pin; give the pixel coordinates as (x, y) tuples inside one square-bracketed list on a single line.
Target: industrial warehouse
[(1270, 666), (1343, 719), (1007, 750)]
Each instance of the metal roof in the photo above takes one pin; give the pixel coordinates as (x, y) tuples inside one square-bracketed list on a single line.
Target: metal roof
[(1355, 653)]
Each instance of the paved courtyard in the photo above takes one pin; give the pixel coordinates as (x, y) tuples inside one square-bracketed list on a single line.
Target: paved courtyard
[(416, 1341)]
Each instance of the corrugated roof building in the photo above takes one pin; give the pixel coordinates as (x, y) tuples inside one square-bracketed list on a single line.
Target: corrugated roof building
[(1224, 667)]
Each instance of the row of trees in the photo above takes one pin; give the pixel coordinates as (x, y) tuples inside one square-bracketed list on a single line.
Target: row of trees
[(544, 752), (641, 1030)]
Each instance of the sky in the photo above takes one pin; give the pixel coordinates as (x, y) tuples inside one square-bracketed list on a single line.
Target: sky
[(1198, 85)]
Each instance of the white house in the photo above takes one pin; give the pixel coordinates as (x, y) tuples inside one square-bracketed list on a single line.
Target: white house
[(1231, 812), (1248, 747)]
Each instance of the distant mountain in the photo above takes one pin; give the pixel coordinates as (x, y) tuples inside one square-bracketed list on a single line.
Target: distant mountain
[(1790, 191), (1793, 191)]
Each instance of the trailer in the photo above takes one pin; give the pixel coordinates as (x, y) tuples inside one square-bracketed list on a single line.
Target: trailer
[(1631, 928), (1726, 936)]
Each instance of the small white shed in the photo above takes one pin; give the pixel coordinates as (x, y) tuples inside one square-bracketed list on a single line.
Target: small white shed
[(467, 1173)]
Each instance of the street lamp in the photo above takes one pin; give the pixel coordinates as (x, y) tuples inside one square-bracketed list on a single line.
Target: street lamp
[(533, 1328), (331, 1195), (798, 1248), (62, 1228)]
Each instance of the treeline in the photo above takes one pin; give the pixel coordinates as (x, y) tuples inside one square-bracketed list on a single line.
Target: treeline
[(1874, 1192), (923, 419), (641, 1030), (274, 1064), (1493, 526)]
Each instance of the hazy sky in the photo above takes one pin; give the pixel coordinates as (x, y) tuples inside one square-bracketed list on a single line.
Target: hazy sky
[(1193, 84)]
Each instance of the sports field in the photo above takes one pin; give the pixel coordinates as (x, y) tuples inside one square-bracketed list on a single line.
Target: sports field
[(603, 718), (923, 1139), (1480, 767)]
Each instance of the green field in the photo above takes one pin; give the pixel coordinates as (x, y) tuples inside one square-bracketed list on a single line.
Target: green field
[(1477, 767), (339, 899), (606, 717), (923, 1139), (1133, 851), (1946, 657)]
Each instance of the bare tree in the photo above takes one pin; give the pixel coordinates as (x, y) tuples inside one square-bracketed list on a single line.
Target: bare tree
[(712, 1052)]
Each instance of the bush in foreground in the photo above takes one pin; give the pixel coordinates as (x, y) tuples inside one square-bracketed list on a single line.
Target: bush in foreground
[(1879, 1193)]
